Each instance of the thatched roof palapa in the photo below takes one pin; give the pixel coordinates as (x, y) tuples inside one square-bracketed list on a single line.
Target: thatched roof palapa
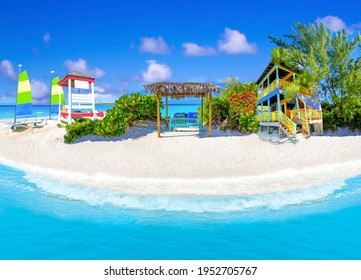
[(179, 90)]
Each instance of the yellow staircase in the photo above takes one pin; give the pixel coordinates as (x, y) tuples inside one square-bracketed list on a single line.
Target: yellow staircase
[(288, 127)]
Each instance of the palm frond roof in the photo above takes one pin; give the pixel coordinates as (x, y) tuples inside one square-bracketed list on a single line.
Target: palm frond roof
[(178, 89)]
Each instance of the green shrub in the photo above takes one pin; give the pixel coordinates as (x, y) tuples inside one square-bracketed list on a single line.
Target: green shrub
[(236, 104), (126, 110), (78, 129), (220, 108), (346, 115)]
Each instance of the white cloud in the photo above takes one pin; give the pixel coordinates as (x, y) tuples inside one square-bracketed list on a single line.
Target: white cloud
[(46, 37), (353, 28), (192, 49), (82, 66), (336, 24), (99, 89), (332, 22), (234, 42), (104, 94), (40, 92), (154, 45), (7, 70), (156, 72), (97, 72)]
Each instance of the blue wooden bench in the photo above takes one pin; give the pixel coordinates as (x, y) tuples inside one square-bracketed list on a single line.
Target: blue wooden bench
[(185, 122)]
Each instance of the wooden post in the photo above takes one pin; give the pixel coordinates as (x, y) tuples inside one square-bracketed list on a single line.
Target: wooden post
[(268, 110), (166, 110), (210, 115), (202, 109), (69, 101), (279, 114), (278, 107), (277, 78), (158, 114), (93, 99)]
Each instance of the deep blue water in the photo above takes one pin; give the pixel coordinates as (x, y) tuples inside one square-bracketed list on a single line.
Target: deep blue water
[(42, 219)]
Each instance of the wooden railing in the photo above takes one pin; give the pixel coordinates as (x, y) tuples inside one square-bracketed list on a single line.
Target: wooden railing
[(309, 114), (281, 84), (305, 126), (314, 114), (264, 117)]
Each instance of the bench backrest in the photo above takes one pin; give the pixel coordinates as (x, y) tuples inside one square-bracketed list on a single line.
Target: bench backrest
[(184, 121)]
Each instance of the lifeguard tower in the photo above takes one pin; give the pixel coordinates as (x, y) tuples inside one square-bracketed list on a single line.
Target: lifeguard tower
[(81, 103)]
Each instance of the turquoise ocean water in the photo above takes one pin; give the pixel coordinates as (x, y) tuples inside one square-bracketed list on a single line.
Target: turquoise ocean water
[(44, 219), (7, 111)]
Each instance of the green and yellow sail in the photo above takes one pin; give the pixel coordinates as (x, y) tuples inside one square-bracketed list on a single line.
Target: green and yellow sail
[(24, 98), (57, 95)]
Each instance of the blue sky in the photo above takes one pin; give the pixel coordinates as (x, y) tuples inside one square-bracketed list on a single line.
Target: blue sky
[(126, 44)]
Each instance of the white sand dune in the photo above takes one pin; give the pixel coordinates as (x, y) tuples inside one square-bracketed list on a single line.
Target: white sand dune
[(182, 162)]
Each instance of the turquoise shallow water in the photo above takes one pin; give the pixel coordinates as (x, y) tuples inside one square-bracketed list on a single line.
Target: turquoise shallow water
[(43, 219), (7, 111)]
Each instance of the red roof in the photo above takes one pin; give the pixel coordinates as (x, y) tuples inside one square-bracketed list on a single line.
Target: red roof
[(75, 76)]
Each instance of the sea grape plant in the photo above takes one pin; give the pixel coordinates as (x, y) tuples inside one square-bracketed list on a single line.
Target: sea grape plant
[(127, 109)]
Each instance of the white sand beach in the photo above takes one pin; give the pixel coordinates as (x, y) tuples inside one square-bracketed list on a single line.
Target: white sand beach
[(182, 163)]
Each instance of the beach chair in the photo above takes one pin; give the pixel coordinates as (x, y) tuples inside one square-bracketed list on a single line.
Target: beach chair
[(183, 120)]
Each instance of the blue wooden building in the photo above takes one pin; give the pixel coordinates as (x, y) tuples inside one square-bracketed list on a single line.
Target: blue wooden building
[(295, 117)]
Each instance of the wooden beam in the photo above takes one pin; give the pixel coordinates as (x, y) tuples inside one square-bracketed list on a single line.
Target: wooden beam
[(268, 74), (166, 110), (158, 114), (287, 76), (69, 102), (285, 69), (278, 107), (210, 115), (202, 109)]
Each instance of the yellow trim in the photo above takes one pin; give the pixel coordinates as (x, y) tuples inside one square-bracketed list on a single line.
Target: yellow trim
[(286, 77), (264, 117), (288, 70), (269, 73)]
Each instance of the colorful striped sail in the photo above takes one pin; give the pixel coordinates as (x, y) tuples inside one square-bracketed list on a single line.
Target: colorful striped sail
[(57, 95), (24, 98)]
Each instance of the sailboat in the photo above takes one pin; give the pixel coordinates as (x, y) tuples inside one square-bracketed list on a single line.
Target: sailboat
[(24, 105), (57, 97)]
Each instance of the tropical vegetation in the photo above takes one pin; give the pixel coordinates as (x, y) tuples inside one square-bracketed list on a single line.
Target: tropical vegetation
[(127, 110), (235, 107), (330, 65)]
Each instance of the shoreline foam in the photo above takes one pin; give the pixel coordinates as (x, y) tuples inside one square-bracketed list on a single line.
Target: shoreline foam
[(140, 163)]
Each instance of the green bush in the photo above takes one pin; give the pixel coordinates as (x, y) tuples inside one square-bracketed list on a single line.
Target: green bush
[(236, 104), (346, 115), (220, 109), (78, 129), (126, 110)]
